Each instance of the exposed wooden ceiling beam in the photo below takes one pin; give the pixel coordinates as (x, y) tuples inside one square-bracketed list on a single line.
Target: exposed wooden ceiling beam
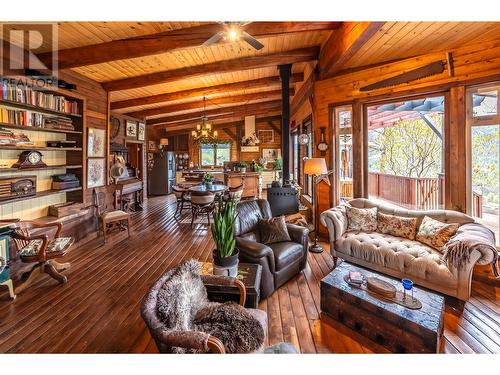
[(237, 99), (168, 41), (223, 123), (225, 66), (249, 109), (205, 91), (343, 44)]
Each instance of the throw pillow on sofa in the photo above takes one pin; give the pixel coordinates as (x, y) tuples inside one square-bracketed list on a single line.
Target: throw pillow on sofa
[(273, 230), (398, 226), (361, 219), (435, 233)]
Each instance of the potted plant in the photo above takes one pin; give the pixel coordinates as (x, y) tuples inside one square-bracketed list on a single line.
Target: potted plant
[(243, 167), (225, 254), (208, 179)]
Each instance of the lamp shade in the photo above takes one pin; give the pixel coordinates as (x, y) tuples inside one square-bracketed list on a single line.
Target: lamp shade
[(164, 141), (315, 166)]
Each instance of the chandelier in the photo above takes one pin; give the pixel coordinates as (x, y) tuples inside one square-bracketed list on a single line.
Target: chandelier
[(204, 132)]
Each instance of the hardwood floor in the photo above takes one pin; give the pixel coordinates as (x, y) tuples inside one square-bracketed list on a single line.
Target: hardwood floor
[(97, 311)]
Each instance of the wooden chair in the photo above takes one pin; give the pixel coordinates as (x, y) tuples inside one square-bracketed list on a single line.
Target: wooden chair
[(235, 192), (38, 248), (202, 202), (110, 218), (183, 198)]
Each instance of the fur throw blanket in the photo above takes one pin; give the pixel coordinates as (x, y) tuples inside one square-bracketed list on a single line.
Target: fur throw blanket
[(471, 237), (183, 309), (238, 330)]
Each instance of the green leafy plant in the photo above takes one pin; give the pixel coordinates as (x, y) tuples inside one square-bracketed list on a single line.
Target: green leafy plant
[(278, 164), (242, 164), (258, 167), (223, 227), (208, 178)]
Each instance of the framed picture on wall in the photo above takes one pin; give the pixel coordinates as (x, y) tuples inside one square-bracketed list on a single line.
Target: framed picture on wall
[(271, 154), (152, 146), (96, 140), (141, 131), (96, 172), (131, 129)]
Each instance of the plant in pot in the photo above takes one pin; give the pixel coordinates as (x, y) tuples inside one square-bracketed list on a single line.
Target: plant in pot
[(208, 179), (243, 167), (225, 254)]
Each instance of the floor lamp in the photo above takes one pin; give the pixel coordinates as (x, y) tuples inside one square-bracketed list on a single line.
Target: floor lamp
[(315, 167)]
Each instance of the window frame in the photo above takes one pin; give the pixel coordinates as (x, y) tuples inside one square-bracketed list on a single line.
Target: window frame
[(472, 122), (215, 148)]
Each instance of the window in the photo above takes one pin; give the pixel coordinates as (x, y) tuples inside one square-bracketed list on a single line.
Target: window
[(215, 155), (307, 129), (343, 133), (295, 155), (406, 153), (484, 157)]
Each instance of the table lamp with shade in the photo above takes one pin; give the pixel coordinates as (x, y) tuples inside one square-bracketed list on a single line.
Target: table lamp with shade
[(163, 143), (315, 167)]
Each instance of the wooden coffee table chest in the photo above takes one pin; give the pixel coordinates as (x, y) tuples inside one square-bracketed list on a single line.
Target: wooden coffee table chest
[(393, 326), (248, 273)]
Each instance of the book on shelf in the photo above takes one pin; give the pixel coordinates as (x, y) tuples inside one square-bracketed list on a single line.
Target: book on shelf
[(27, 95), (34, 119)]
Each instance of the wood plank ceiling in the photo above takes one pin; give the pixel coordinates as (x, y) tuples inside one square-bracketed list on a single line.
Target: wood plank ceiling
[(160, 99)]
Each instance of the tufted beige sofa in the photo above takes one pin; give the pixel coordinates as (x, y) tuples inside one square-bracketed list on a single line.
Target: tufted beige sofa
[(401, 257)]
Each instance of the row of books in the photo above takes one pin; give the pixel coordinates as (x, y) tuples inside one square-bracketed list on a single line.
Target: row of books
[(23, 118), (26, 95), (7, 138), (34, 119)]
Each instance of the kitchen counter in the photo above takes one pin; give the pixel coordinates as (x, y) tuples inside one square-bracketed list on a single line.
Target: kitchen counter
[(251, 181)]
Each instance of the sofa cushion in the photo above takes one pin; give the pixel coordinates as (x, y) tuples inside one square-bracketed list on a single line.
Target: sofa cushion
[(398, 226), (411, 258), (273, 230), (285, 253), (435, 233), (361, 219)]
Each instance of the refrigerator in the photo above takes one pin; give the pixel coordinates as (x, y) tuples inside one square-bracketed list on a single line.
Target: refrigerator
[(161, 173)]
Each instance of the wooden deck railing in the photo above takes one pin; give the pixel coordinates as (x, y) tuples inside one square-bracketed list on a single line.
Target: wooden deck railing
[(408, 192)]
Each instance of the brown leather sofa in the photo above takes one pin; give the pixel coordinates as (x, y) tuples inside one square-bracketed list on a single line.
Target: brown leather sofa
[(280, 261)]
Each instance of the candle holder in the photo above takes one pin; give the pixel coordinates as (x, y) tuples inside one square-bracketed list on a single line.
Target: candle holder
[(407, 285)]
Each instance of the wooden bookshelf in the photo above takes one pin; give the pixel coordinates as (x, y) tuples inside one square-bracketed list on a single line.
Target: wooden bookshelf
[(75, 156)]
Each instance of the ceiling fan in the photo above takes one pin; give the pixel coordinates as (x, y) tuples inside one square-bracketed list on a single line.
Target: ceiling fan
[(233, 32)]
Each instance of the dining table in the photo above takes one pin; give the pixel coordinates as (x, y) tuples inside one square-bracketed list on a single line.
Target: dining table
[(214, 188)]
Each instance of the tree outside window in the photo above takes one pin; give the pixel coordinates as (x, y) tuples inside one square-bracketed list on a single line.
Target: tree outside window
[(215, 155)]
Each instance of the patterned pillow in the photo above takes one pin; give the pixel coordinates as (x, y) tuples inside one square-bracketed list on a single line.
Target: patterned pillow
[(361, 219), (273, 230), (435, 233), (397, 225)]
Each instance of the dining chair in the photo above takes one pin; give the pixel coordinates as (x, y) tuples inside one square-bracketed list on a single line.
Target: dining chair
[(202, 202), (109, 218), (183, 198), (235, 193)]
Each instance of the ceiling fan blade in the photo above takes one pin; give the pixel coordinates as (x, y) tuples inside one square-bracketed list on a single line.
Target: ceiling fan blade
[(251, 40), (213, 39)]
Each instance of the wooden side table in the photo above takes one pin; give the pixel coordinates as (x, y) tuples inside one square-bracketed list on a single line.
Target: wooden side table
[(249, 274)]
